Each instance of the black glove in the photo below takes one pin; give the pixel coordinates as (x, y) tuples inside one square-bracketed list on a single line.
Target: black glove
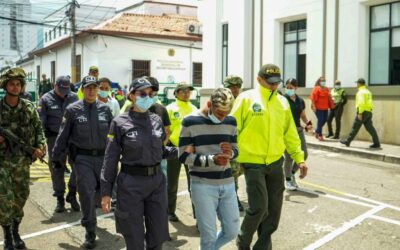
[(56, 164)]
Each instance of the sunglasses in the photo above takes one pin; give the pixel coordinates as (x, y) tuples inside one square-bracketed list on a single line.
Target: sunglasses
[(144, 94)]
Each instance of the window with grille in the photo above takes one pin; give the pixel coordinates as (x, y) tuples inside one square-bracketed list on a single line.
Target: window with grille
[(197, 77), (140, 68)]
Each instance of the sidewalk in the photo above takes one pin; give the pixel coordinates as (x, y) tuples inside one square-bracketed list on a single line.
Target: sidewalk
[(388, 153)]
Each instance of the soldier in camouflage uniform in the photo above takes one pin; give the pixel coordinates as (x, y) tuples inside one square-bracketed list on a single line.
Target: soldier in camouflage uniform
[(234, 83), (21, 118)]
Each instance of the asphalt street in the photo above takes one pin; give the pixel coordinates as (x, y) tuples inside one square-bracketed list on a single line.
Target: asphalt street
[(344, 203)]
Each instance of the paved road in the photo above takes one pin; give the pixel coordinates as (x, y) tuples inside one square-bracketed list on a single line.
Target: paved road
[(345, 203)]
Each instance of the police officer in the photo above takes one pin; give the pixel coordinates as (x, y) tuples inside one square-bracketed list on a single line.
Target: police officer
[(364, 116), (136, 140), (51, 109), (234, 83), (177, 111), (340, 99), (20, 117), (265, 129), (84, 129)]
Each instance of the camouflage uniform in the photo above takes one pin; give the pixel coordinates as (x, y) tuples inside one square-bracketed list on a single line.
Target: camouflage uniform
[(23, 120), (237, 170)]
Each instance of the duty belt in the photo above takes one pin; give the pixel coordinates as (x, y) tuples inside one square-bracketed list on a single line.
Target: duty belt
[(140, 170), (90, 152)]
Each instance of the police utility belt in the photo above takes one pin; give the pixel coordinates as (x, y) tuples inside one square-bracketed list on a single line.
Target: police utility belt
[(141, 170), (90, 152)]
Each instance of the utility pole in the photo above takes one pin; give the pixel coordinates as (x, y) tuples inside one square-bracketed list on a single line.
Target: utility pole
[(71, 13)]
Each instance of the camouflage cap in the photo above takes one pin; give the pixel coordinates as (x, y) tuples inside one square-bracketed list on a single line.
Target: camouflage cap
[(13, 73), (222, 98), (182, 86), (232, 80)]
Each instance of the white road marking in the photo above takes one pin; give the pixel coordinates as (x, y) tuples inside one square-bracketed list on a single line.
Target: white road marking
[(373, 201), (334, 197), (346, 226), (376, 217), (58, 228), (312, 210)]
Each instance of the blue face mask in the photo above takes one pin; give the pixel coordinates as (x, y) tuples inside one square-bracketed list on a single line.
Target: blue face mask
[(323, 83), (213, 118), (144, 103), (103, 94), (290, 92), (155, 99)]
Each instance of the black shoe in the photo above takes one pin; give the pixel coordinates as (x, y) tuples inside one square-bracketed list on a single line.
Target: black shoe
[(90, 240), (345, 142), (173, 218), (329, 136), (71, 199), (375, 146), (18, 242), (8, 240), (336, 137), (241, 209), (60, 208)]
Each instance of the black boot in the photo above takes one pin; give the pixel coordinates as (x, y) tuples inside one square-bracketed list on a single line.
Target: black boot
[(90, 240), (8, 241), (241, 209), (18, 242), (60, 208), (71, 199)]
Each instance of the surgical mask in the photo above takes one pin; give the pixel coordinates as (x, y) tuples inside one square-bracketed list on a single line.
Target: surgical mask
[(103, 93), (155, 99), (213, 118), (144, 103), (289, 92), (323, 83), (337, 86)]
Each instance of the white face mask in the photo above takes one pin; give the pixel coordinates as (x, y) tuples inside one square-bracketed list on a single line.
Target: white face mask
[(213, 118), (323, 83)]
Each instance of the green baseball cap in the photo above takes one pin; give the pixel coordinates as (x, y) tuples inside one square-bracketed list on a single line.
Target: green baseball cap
[(233, 80), (183, 85)]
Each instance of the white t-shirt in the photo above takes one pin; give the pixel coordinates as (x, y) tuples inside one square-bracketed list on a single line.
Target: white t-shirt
[(114, 106)]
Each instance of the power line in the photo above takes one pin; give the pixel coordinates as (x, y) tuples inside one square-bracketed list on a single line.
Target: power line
[(94, 32)]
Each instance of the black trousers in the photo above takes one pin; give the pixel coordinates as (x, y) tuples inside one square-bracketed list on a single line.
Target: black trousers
[(337, 114)]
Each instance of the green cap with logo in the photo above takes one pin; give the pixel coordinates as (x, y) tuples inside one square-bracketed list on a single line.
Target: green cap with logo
[(233, 80), (271, 73), (182, 86), (11, 74)]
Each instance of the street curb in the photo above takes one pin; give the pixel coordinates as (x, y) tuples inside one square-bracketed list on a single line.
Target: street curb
[(357, 152)]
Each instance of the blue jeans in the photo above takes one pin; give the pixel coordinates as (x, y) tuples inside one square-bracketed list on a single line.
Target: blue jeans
[(322, 117), (211, 201), (163, 166)]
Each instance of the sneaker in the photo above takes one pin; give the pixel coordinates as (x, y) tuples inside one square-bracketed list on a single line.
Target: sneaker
[(291, 185), (345, 142), (173, 218), (375, 146)]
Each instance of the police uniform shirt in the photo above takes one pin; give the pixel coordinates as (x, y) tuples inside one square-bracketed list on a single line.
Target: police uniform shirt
[(51, 110), (135, 139), (85, 126)]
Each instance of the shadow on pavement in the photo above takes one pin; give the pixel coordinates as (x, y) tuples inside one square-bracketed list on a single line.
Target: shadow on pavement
[(300, 192)]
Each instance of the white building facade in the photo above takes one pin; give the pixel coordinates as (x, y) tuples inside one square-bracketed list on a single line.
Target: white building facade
[(339, 39)]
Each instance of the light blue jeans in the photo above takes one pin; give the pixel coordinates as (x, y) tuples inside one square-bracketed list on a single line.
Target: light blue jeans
[(163, 166), (210, 202)]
